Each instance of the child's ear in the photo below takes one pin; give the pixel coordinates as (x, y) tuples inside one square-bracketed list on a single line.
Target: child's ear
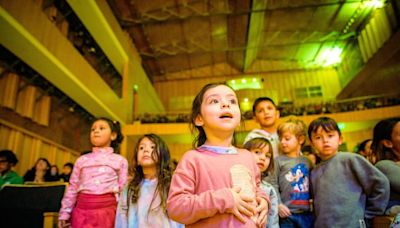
[(278, 114), (198, 121), (340, 140), (302, 139), (387, 143), (113, 136)]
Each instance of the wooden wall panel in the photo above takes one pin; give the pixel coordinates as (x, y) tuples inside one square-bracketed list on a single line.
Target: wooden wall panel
[(177, 150), (29, 147), (8, 90), (352, 139), (279, 85), (41, 112), (26, 101)]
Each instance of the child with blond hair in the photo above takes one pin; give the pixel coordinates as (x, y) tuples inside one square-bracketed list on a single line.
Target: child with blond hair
[(291, 176)]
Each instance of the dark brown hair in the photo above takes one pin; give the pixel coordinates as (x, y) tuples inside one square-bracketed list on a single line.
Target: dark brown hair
[(261, 99), (327, 124), (383, 131), (161, 155), (201, 137), (260, 143), (116, 128)]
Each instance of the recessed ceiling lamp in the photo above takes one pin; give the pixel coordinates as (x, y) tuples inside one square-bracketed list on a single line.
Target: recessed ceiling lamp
[(246, 83)]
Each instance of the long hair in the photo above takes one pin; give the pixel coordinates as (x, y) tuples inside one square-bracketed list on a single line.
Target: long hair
[(116, 128), (383, 131), (161, 156), (201, 136)]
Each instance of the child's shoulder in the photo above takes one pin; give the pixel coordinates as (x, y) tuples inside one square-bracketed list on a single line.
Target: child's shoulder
[(243, 151), (349, 156), (191, 154)]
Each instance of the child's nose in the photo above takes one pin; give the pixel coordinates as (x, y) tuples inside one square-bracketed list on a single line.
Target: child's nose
[(225, 104)]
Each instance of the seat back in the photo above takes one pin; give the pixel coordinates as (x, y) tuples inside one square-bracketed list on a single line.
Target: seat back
[(24, 205)]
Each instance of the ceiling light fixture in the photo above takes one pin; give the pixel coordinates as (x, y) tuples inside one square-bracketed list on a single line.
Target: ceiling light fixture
[(246, 83)]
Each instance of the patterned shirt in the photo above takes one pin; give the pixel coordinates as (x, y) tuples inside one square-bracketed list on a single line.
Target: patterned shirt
[(99, 172)]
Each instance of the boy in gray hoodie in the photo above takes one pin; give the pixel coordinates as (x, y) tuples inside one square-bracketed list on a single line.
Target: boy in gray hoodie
[(348, 190)]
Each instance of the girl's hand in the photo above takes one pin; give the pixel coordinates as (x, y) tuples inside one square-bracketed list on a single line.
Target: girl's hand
[(242, 205), (262, 212), (283, 211), (63, 224)]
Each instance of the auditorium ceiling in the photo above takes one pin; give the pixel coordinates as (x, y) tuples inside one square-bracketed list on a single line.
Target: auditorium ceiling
[(249, 36), (253, 37)]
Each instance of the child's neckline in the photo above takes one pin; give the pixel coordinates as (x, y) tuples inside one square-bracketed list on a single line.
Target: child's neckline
[(219, 149)]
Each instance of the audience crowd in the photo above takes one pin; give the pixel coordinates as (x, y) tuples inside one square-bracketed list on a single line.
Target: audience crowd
[(288, 109)]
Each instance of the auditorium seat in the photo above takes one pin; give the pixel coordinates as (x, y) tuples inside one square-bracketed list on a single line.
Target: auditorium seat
[(29, 205)]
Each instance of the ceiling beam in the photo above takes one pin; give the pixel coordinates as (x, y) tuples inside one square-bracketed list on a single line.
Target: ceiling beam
[(380, 75), (102, 30), (255, 32), (166, 51), (167, 14), (23, 24)]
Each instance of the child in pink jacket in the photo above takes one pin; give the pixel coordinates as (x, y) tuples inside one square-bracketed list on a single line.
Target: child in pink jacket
[(217, 184)]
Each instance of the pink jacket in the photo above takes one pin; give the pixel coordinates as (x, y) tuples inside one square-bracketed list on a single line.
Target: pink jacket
[(99, 172)]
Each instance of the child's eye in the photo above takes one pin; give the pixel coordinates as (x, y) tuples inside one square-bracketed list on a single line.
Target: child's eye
[(233, 101), (213, 101)]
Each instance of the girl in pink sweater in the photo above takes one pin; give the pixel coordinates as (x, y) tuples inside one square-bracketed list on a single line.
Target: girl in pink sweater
[(217, 184), (96, 180)]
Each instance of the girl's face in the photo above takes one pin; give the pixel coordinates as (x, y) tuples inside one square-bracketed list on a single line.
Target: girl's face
[(41, 165), (367, 150), (266, 114), (262, 156), (53, 170), (219, 110), (145, 153), (290, 143), (326, 143), (101, 134), (67, 170)]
